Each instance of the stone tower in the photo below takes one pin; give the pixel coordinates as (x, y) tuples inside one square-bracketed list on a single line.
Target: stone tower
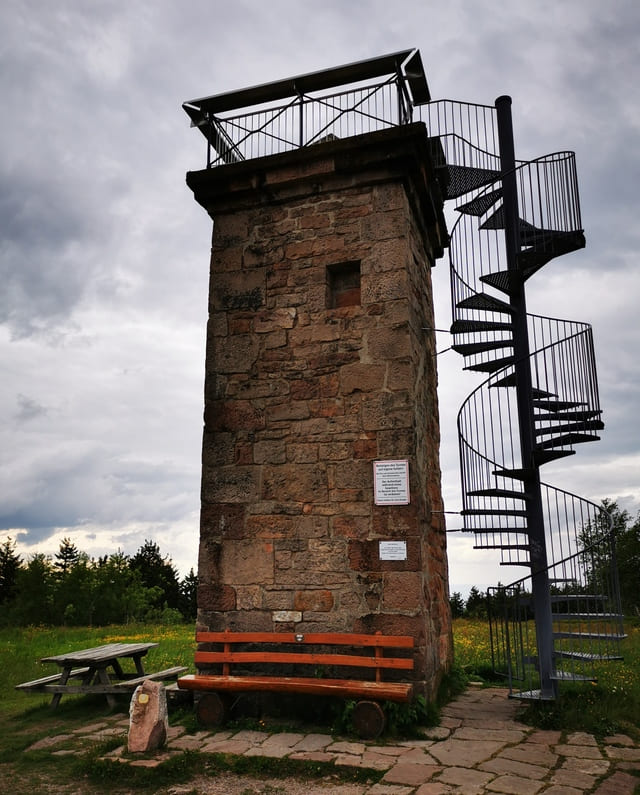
[(321, 501)]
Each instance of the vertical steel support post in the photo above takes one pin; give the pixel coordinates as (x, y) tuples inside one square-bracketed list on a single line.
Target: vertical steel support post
[(524, 399)]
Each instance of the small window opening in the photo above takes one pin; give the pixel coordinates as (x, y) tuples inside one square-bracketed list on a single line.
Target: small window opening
[(343, 285)]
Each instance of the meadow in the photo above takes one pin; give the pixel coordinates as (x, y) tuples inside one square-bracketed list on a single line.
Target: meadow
[(611, 705)]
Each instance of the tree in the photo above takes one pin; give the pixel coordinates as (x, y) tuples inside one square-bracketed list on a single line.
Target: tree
[(9, 564), (189, 595), (598, 552), (457, 605), (35, 585), (476, 606), (66, 557), (159, 573)]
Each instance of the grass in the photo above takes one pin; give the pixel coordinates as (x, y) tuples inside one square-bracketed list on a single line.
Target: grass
[(612, 705)]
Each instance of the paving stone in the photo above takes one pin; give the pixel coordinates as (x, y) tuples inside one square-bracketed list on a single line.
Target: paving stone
[(249, 736), (618, 784), (47, 742), (595, 767), (618, 739), (410, 774), (389, 789), (468, 780), (417, 756), (628, 754), (581, 751), (389, 750), (546, 737), (558, 789), (512, 785), (188, 742), (313, 756), (377, 761), (502, 766), (284, 741), (573, 778), (348, 760), (450, 723), (499, 735), (343, 747), (435, 788), (313, 742), (231, 746), (464, 753), (531, 753), (581, 738)]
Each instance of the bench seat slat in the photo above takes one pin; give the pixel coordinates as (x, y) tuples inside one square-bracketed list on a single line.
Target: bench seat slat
[(38, 684), (344, 688), (317, 638), (304, 658), (169, 673)]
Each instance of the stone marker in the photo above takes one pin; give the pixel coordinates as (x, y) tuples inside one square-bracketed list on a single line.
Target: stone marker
[(148, 722)]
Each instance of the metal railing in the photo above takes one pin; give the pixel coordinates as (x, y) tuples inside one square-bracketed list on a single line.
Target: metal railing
[(305, 120)]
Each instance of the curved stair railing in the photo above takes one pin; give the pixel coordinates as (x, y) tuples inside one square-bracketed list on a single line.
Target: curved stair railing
[(539, 401)]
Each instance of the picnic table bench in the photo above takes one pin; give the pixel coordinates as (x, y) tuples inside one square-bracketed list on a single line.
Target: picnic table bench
[(90, 666), (255, 656)]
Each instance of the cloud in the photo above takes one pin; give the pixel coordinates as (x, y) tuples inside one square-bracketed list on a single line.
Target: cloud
[(104, 253)]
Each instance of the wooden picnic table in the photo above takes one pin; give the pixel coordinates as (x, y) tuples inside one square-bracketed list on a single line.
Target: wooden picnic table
[(91, 668)]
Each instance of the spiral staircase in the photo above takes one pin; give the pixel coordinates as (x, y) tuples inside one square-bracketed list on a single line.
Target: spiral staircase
[(562, 619)]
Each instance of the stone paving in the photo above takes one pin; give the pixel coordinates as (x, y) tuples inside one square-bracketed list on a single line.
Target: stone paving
[(480, 747)]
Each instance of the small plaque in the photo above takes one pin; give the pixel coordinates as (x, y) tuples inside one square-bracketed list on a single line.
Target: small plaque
[(391, 482), (393, 550)]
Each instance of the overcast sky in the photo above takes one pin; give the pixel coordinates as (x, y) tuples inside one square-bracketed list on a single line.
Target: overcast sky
[(104, 253)]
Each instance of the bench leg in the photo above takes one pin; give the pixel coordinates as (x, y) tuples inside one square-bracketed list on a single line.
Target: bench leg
[(212, 709), (368, 719)]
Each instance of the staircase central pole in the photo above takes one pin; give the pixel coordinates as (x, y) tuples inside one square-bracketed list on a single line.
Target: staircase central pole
[(524, 398)]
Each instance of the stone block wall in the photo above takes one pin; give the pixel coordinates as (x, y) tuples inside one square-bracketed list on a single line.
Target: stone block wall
[(320, 360)]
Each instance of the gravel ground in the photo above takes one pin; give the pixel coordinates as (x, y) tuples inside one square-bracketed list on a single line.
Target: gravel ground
[(227, 784)]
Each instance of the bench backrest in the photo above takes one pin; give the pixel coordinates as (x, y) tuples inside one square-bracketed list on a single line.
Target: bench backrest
[(304, 648)]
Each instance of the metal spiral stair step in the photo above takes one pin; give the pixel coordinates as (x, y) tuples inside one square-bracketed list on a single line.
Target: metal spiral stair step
[(473, 326), (480, 204), (494, 512), (556, 405), (486, 303), (569, 676), (588, 617), (542, 457), (585, 656), (531, 695), (496, 492), (495, 530), (471, 348), (569, 439), (510, 380), (505, 547), (463, 179), (590, 635), (586, 414), (586, 425), (492, 365)]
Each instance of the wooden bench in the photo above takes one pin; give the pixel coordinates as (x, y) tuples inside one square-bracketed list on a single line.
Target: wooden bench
[(40, 684), (234, 662)]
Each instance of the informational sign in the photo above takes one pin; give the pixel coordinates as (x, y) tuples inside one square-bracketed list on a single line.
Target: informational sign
[(391, 482), (393, 550)]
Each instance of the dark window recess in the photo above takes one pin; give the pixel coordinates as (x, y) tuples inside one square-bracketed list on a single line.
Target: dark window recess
[(343, 285)]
